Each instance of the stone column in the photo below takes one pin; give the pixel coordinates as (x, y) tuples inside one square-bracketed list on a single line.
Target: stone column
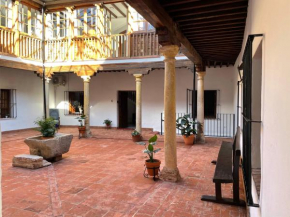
[(138, 102), (170, 171), (200, 107), (87, 103), (47, 80)]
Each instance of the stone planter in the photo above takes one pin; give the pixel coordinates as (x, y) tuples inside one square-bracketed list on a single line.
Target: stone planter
[(50, 148)]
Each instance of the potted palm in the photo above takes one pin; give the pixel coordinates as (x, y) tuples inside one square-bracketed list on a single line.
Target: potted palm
[(82, 128), (186, 126), (152, 165), (108, 123), (136, 136)]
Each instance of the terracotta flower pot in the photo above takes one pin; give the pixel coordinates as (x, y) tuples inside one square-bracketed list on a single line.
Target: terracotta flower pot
[(151, 165), (136, 138), (189, 140), (108, 126), (82, 130)]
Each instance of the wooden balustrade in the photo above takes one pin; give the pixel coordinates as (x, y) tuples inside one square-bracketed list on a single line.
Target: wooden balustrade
[(79, 48), (7, 37), (144, 44), (30, 47)]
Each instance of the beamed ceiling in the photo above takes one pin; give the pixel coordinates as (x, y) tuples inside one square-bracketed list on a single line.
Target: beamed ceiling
[(212, 28)]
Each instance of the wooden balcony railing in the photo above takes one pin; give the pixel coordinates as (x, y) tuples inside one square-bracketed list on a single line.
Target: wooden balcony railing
[(7, 41), (96, 47), (102, 47), (30, 47), (13, 43)]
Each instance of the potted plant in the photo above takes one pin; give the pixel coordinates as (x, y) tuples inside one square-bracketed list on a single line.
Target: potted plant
[(108, 123), (152, 165), (46, 127), (136, 136), (82, 128), (49, 145), (186, 126)]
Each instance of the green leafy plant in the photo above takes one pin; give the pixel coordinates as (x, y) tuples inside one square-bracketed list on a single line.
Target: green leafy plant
[(185, 125), (107, 122), (81, 120), (46, 127), (150, 148), (135, 133)]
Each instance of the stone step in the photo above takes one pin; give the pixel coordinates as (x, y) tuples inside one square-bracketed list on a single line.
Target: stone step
[(29, 161)]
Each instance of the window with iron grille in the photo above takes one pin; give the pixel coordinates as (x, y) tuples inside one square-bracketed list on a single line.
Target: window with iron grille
[(74, 102), (8, 103)]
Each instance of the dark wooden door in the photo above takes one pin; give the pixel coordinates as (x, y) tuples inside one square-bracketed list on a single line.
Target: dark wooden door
[(122, 109)]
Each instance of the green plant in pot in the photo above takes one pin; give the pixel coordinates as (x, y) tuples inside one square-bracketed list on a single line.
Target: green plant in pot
[(107, 122), (136, 136), (46, 127), (186, 127), (152, 164), (82, 128)]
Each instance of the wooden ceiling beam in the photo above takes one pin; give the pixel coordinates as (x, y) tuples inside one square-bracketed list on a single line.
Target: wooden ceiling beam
[(213, 20), (230, 38), (214, 33), (203, 4), (118, 9), (124, 4), (223, 42), (167, 3), (193, 31), (155, 14), (112, 13), (215, 9), (227, 23), (211, 15), (216, 37)]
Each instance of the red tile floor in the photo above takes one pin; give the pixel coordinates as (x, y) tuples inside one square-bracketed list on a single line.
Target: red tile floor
[(103, 176)]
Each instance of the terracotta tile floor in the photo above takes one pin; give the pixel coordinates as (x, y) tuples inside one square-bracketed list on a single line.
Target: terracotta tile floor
[(103, 176)]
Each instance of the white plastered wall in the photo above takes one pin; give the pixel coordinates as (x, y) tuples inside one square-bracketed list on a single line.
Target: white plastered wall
[(28, 97), (272, 19), (104, 88), (103, 95)]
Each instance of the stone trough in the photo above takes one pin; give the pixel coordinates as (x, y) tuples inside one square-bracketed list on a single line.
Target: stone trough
[(50, 148)]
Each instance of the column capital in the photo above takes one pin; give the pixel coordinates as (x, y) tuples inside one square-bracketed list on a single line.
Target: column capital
[(139, 71), (138, 77), (86, 78), (169, 51), (200, 67), (47, 79), (201, 74)]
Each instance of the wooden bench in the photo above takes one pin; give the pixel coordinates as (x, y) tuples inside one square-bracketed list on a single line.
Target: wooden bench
[(227, 171)]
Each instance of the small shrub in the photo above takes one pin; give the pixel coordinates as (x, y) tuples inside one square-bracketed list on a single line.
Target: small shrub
[(135, 133), (46, 127)]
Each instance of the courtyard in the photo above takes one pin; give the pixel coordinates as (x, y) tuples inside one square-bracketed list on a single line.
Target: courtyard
[(103, 176)]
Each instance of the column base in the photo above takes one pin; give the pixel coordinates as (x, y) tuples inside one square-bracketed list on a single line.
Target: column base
[(170, 175), (200, 138)]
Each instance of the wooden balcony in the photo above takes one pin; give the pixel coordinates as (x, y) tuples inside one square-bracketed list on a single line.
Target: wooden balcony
[(13, 43), (102, 47), (136, 45)]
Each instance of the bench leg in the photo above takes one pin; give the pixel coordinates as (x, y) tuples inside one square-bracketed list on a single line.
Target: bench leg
[(218, 198), (218, 191)]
